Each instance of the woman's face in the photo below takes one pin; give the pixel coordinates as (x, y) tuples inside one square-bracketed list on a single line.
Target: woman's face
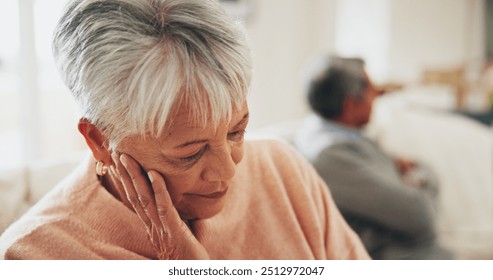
[(196, 162)]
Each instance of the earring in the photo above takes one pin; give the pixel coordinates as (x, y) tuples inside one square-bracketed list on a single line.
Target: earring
[(101, 169)]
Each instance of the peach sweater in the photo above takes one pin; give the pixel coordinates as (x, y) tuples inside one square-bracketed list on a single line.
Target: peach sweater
[(277, 208)]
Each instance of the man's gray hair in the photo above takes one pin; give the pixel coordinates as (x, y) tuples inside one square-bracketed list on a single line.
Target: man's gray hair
[(130, 63), (332, 79)]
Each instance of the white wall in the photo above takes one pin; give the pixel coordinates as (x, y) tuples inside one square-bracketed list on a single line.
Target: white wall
[(400, 38), (362, 29), (283, 35), (424, 34)]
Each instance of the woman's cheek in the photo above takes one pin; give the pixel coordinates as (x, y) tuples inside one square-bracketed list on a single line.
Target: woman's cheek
[(176, 185), (237, 152)]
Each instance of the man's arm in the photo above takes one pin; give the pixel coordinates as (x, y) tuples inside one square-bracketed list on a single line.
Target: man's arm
[(369, 189)]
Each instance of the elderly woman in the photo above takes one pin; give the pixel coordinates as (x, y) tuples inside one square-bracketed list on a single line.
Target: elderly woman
[(162, 86)]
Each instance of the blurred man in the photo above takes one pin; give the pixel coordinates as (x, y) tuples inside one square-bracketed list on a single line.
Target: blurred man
[(389, 202)]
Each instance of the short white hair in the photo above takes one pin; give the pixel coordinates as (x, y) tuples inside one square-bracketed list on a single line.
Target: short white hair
[(130, 63)]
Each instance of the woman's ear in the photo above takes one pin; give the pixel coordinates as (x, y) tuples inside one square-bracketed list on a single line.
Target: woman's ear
[(96, 140)]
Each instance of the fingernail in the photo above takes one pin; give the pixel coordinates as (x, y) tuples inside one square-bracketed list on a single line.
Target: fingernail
[(123, 159), (151, 176)]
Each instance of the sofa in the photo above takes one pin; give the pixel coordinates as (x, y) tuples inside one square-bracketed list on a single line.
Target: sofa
[(421, 123)]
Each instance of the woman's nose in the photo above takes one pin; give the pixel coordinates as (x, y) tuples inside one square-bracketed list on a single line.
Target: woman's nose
[(221, 166)]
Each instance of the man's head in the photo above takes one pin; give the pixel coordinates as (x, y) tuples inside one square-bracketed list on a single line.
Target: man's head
[(340, 90)]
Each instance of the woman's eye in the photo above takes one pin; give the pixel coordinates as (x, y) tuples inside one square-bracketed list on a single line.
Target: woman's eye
[(237, 135), (193, 157)]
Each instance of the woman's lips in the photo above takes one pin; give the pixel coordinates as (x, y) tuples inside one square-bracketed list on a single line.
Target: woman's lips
[(214, 195)]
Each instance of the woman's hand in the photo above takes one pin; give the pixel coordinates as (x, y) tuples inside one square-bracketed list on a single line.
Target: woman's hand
[(169, 235)]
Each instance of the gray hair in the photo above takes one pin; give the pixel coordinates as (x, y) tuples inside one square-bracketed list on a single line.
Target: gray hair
[(130, 63), (332, 79)]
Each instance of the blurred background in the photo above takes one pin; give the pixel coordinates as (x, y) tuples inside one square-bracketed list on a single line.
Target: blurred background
[(431, 55), (399, 40)]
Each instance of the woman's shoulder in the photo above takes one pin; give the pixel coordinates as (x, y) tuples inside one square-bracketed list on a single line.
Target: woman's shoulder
[(273, 156), (284, 182), (92, 228), (268, 149), (63, 223), (68, 237), (269, 159)]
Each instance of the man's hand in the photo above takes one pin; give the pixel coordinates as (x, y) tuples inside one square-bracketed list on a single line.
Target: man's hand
[(404, 166)]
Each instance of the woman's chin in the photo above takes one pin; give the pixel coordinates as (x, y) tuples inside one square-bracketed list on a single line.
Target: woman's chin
[(201, 208)]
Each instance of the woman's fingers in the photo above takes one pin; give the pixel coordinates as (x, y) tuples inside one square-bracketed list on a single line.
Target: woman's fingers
[(120, 190), (189, 248), (165, 210), (140, 182), (151, 201), (159, 210), (154, 199), (131, 193)]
